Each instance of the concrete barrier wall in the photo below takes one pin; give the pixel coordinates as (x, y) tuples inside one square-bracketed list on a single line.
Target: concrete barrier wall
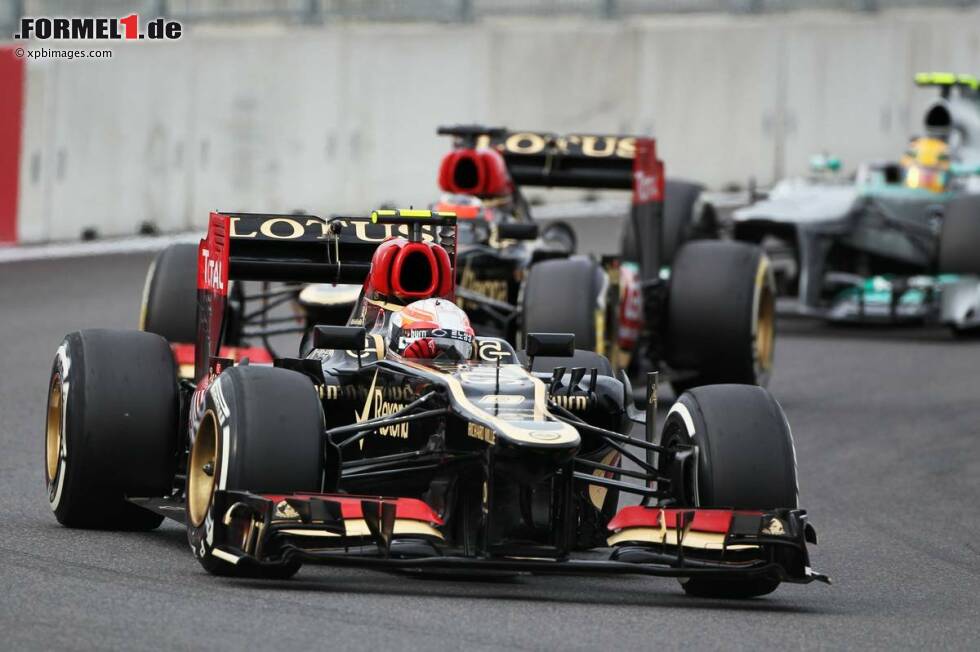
[(343, 117)]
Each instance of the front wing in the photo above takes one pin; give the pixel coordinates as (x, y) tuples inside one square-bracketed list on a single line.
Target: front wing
[(405, 533)]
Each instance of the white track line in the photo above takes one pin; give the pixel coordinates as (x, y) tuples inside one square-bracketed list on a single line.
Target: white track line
[(18, 253)]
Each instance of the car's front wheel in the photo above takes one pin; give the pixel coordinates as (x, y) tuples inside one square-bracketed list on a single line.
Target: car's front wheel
[(261, 432), (746, 460)]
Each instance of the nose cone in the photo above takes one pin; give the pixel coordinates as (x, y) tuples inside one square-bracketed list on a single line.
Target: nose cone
[(533, 450)]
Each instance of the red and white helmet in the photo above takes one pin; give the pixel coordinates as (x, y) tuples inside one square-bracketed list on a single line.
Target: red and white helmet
[(431, 329)]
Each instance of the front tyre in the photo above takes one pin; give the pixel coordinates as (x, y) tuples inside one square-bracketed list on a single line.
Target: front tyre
[(566, 296), (261, 432), (111, 428), (746, 460), (721, 314)]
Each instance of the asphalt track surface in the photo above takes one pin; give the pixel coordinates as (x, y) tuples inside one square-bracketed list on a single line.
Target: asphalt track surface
[(887, 429)]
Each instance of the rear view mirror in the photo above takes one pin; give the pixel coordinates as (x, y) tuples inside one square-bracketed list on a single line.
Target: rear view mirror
[(517, 231), (554, 345), (348, 338)]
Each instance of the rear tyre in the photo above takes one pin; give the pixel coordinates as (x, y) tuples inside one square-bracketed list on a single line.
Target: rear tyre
[(959, 239), (683, 219), (169, 304), (721, 314), (746, 460), (564, 296), (111, 428), (274, 425)]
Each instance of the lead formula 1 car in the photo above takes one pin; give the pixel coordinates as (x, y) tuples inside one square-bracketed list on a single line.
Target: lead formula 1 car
[(402, 441)]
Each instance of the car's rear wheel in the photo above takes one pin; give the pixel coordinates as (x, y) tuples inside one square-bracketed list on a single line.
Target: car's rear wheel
[(169, 305), (685, 218), (721, 314), (111, 428), (746, 460), (261, 432), (565, 296)]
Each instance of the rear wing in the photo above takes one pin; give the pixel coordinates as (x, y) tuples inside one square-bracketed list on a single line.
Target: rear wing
[(948, 80), (296, 249), (533, 158), (611, 162)]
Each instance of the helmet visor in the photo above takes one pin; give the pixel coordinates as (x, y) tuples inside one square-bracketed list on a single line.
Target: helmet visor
[(452, 350), (437, 344)]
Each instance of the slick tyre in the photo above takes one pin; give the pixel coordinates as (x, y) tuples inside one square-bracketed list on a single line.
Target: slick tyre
[(111, 428), (959, 239), (721, 314), (746, 460), (680, 223), (169, 305), (565, 296), (261, 432)]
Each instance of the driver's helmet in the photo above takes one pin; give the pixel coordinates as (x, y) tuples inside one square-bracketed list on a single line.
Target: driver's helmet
[(466, 207), (431, 329), (926, 164)]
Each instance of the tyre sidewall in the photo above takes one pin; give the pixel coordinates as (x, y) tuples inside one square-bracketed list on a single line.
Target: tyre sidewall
[(65, 495)]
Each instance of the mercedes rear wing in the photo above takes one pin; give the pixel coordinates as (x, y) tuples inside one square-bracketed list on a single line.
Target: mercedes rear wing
[(296, 249), (945, 81)]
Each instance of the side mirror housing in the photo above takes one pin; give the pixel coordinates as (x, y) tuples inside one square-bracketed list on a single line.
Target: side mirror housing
[(348, 338), (555, 345)]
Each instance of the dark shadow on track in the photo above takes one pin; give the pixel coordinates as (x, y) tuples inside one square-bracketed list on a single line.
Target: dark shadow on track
[(523, 590)]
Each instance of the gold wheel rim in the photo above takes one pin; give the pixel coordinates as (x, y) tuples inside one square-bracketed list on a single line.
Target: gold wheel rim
[(200, 483), (52, 453), (765, 335)]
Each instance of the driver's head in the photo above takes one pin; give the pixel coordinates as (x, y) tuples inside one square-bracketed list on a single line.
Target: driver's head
[(431, 329), (926, 164)]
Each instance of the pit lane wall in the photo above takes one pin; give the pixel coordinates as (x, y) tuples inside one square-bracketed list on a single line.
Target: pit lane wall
[(343, 117)]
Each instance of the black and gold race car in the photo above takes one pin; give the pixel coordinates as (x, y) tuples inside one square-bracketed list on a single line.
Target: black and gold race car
[(359, 454)]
